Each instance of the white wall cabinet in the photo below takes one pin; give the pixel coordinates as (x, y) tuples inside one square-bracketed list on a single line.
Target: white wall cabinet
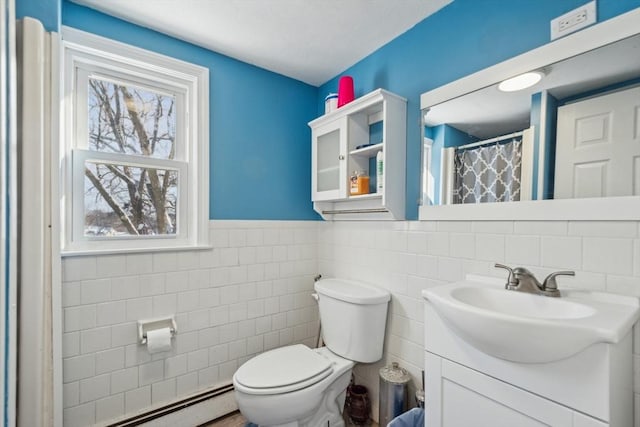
[(348, 140)]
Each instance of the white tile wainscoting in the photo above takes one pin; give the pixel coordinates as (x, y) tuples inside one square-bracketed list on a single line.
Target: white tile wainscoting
[(406, 257), (251, 293)]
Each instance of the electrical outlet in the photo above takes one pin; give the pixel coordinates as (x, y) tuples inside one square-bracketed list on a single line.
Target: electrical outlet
[(575, 20)]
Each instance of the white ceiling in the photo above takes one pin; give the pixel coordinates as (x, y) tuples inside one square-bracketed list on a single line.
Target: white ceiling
[(308, 40)]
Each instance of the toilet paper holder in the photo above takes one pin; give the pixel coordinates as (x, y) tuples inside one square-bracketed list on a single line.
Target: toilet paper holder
[(152, 324)]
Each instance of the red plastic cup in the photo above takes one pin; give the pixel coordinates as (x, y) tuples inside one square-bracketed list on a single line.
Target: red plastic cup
[(345, 90)]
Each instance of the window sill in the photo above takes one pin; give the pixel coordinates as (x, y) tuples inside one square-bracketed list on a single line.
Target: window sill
[(121, 251)]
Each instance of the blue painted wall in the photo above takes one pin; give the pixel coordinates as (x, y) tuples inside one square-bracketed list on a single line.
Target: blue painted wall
[(460, 39), (260, 142)]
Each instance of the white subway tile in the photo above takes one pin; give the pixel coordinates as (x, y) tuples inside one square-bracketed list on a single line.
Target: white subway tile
[(271, 340), (176, 281), (151, 372), (228, 332), (562, 252), (255, 272), (92, 340), (209, 258), (286, 337), (523, 250), (246, 291), (124, 380), (79, 367), (139, 308), (136, 354), (152, 284), (138, 399), (229, 257), (94, 388), (165, 305), (110, 407), (198, 319), (209, 297), (71, 394), (110, 313), (186, 384), (125, 287), (490, 247), (247, 255), (246, 328), (541, 228), (175, 366), (123, 334), (237, 312), (255, 237), (229, 295), (70, 294), (493, 227), (219, 315), (198, 359), (454, 226), (187, 301), (462, 245), (623, 285), (208, 337), (199, 279), (238, 274), (70, 344), (78, 268), (218, 354), (163, 391), (438, 243), (450, 269), (255, 308), (92, 291), (111, 266), (237, 349), (398, 241), (427, 266), (139, 264), (272, 271), (610, 229), (110, 360), (80, 416), (164, 262), (226, 370), (188, 260), (208, 377), (603, 255), (186, 342)]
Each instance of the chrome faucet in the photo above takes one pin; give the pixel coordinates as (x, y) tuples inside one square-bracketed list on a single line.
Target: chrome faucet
[(521, 279)]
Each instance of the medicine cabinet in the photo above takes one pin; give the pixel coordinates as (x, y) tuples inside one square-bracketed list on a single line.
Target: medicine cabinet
[(348, 140)]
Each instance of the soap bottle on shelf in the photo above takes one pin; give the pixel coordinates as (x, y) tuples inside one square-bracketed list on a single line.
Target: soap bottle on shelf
[(358, 183)]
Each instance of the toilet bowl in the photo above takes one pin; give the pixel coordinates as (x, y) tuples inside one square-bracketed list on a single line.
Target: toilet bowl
[(295, 386)]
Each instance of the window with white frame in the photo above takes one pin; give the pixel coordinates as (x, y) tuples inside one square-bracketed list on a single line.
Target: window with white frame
[(134, 150)]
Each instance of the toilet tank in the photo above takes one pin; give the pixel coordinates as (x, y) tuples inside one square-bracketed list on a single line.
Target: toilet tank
[(353, 317)]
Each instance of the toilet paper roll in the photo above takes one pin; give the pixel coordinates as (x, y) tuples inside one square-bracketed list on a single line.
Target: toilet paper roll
[(159, 340)]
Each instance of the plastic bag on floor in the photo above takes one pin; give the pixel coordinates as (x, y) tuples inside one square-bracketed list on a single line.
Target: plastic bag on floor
[(412, 418)]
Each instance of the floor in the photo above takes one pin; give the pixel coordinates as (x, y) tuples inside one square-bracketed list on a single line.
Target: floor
[(235, 419)]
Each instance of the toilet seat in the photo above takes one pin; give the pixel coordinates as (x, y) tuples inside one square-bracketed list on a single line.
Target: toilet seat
[(282, 370)]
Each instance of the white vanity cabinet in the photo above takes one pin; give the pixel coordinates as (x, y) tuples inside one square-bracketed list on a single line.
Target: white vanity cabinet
[(467, 387), (347, 140)]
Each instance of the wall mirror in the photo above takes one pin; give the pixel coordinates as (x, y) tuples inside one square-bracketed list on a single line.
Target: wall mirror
[(567, 147)]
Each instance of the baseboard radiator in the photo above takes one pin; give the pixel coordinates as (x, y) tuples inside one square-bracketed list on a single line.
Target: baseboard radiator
[(179, 405)]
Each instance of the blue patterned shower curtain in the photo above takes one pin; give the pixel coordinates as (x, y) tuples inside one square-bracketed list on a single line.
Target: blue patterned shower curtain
[(488, 173)]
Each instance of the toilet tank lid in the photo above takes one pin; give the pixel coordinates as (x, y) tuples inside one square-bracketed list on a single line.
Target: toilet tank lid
[(352, 291)]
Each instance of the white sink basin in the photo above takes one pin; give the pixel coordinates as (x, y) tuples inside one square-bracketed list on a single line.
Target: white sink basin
[(529, 328)]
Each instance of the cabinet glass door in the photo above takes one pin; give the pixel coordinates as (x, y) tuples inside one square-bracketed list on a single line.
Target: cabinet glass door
[(328, 151)]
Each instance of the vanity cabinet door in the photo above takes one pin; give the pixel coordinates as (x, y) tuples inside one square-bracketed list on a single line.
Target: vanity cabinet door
[(461, 397)]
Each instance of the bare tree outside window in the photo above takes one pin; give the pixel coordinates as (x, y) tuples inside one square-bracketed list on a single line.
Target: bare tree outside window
[(121, 199)]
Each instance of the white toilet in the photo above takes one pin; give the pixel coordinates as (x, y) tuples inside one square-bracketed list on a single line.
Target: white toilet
[(296, 386)]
